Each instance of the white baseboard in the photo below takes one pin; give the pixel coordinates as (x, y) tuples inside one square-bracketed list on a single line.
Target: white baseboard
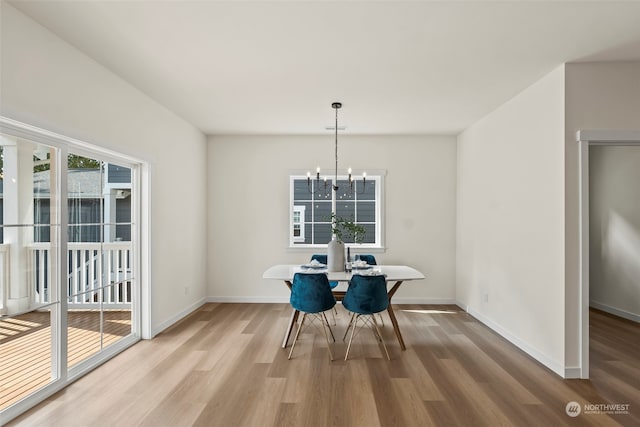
[(556, 367), (178, 316), (615, 311), (434, 301), (464, 307), (572, 373), (249, 300), (275, 300)]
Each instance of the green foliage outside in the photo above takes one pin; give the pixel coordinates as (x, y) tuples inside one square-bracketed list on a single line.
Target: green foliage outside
[(79, 162), (73, 162)]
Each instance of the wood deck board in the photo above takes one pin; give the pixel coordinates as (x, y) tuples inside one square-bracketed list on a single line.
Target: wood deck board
[(25, 347)]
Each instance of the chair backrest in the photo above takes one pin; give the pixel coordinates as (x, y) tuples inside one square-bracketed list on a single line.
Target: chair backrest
[(322, 259), (311, 293), (370, 259), (366, 294)]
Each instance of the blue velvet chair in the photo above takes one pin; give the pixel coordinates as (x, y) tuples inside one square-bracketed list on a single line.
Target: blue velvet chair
[(366, 296), (311, 294), (322, 259), (370, 259)]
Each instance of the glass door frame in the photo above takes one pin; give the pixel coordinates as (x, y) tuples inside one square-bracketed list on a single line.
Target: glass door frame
[(140, 304)]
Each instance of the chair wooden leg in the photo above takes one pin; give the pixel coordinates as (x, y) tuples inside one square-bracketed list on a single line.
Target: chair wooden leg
[(353, 329), (375, 324), (348, 326), (327, 323), (295, 339)]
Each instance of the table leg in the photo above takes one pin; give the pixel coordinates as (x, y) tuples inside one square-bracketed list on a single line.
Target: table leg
[(392, 315), (292, 321)]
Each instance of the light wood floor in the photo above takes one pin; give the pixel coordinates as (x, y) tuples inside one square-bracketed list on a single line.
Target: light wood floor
[(223, 366), (25, 347)]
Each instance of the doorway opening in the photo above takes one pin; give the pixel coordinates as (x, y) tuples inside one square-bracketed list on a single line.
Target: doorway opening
[(588, 139)]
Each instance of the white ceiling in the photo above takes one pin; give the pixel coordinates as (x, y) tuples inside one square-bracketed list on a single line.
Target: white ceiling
[(398, 67)]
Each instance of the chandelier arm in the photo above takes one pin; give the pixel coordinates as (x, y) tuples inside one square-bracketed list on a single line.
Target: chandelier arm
[(364, 184)]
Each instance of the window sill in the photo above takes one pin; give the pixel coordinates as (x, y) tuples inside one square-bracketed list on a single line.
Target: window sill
[(323, 248)]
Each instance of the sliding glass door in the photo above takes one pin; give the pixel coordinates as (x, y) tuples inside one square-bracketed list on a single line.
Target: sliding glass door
[(69, 255), (29, 270), (100, 255)]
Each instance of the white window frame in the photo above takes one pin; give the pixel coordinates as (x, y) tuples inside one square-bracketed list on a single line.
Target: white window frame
[(377, 176)]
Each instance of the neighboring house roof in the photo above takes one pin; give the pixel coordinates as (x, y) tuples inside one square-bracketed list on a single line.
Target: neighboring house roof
[(81, 184)]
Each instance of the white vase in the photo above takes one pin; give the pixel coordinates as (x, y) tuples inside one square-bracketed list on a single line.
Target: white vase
[(335, 255)]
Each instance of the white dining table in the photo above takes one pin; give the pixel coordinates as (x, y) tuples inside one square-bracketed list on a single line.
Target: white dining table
[(395, 274)]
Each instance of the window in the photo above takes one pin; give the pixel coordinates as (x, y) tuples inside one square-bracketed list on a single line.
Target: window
[(298, 223), (311, 208)]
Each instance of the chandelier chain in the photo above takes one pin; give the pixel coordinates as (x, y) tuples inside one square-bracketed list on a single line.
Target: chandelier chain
[(335, 183)]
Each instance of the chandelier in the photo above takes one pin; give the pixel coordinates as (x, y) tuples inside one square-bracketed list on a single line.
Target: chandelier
[(336, 106)]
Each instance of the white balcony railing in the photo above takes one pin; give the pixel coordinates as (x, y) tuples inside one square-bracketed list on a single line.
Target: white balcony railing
[(99, 274)]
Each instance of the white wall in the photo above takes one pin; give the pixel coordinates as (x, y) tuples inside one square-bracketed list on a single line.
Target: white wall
[(510, 220), (598, 96), (48, 83), (248, 211), (614, 231)]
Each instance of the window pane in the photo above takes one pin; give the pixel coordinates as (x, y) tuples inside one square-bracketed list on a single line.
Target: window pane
[(346, 209), (322, 233), (369, 190), (307, 234), (322, 212), (100, 259), (118, 174), (366, 212), (27, 278), (370, 237), (41, 219), (344, 192), (123, 214), (300, 191), (322, 190)]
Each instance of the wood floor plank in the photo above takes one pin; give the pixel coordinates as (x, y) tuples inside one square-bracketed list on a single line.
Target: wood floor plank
[(415, 412), (223, 365), (265, 411), (424, 383), (360, 406)]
